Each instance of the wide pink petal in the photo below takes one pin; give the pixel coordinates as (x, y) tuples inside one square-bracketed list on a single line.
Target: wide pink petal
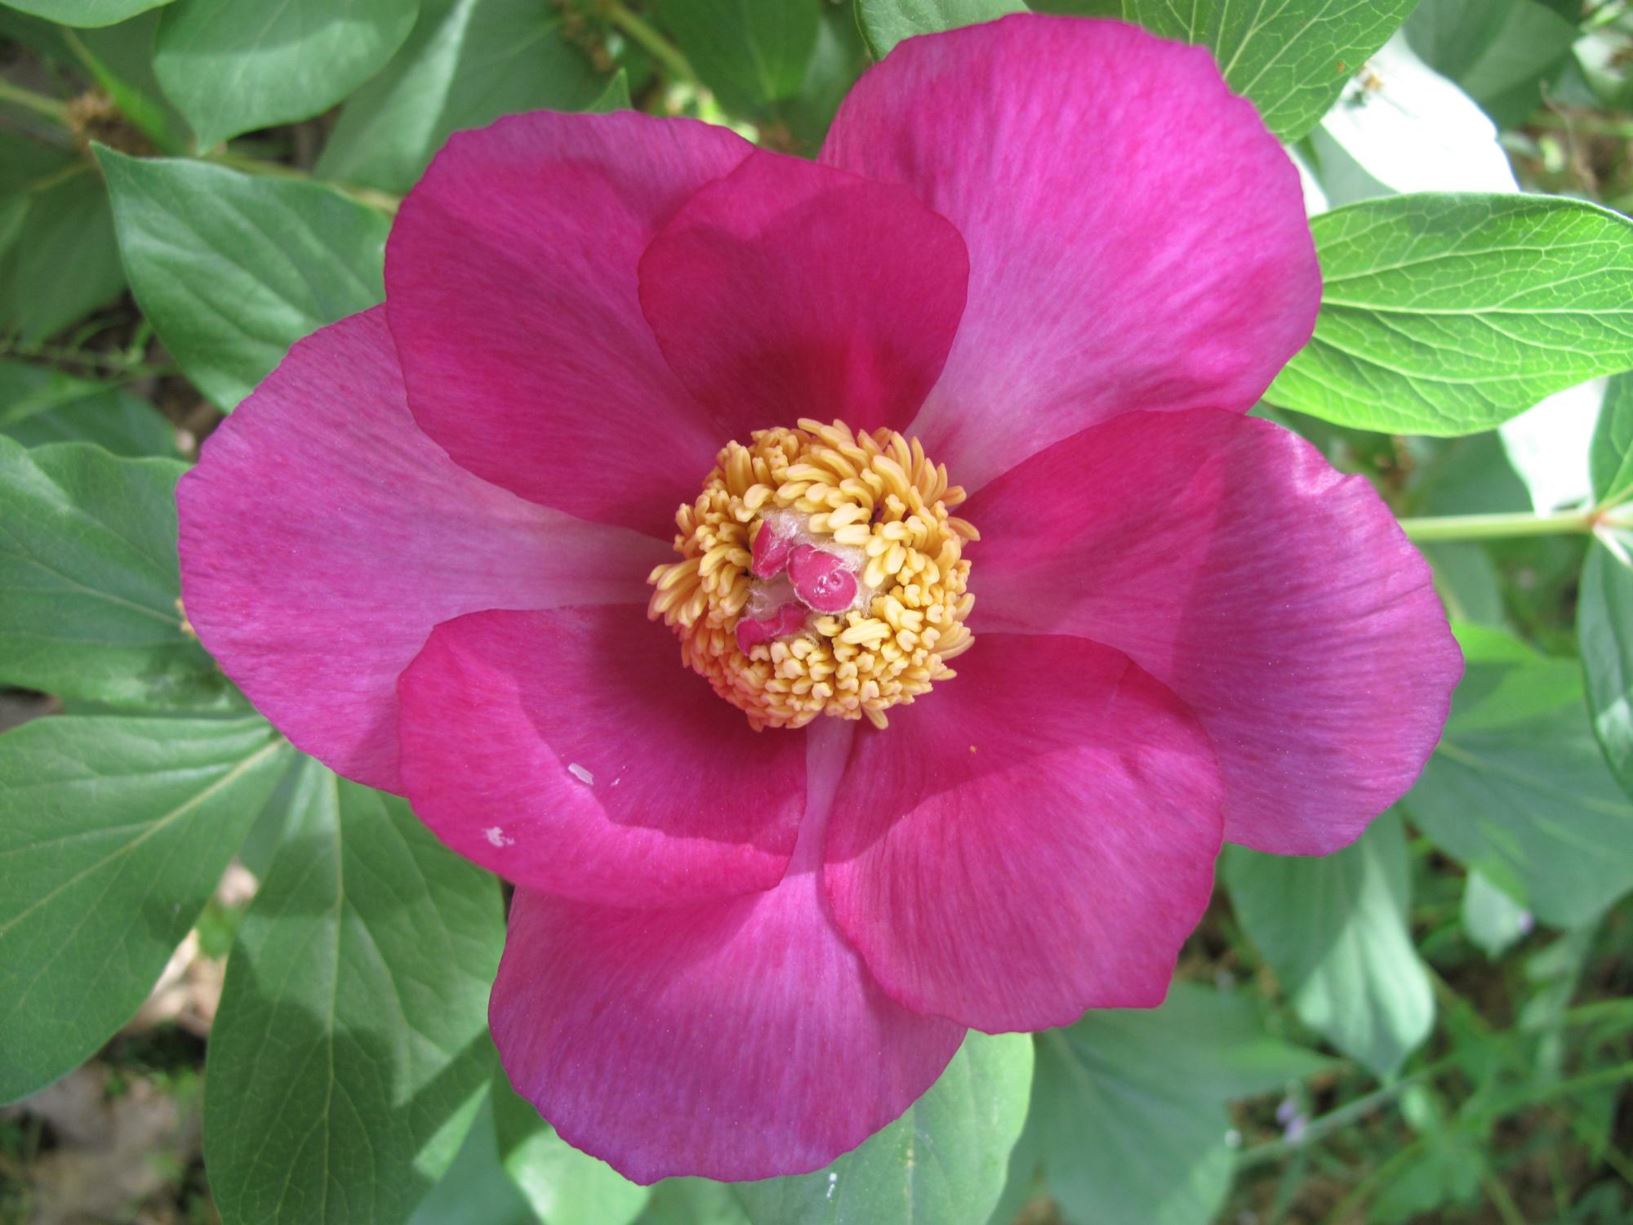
[(511, 288), (323, 535), (1277, 598), (734, 1040), (1034, 839), (1137, 238), (572, 751), (789, 290)]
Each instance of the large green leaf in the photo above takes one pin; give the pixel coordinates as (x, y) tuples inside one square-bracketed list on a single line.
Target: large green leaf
[(84, 12), (1503, 52), (113, 834), (1449, 314), (88, 580), (1128, 1109), (232, 68), (1291, 60), (1604, 627), (39, 404), (1334, 930), (467, 63), (562, 1185), (945, 1160), (232, 270), (351, 1047), (58, 259), (750, 52), (475, 1190), (693, 1201), (886, 22), (1518, 791), (1610, 459)]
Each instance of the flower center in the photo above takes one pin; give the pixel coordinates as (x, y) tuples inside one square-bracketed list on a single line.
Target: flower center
[(820, 574)]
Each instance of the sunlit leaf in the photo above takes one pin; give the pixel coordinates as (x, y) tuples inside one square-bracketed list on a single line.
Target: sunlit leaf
[(1449, 314)]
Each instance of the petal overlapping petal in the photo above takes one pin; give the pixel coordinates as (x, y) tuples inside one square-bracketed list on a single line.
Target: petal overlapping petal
[(1279, 600), (788, 289), (738, 1039), (1137, 237), (570, 751), (323, 535), (511, 287), (1036, 840)]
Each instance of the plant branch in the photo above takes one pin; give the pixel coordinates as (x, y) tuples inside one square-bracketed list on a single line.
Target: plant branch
[(649, 40), (52, 109), (1500, 527)]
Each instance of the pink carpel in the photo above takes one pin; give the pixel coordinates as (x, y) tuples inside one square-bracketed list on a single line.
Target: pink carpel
[(751, 632), (771, 550), (821, 579)]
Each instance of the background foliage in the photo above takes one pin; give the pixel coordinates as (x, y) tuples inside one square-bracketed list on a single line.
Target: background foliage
[(1434, 1024)]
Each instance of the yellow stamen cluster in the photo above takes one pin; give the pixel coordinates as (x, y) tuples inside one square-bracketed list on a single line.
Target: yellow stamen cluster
[(873, 496)]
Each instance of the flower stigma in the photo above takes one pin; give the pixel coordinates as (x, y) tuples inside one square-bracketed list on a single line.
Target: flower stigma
[(820, 573)]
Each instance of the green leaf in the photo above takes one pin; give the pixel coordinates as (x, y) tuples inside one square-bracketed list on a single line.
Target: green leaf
[(751, 53), (58, 259), (1610, 459), (886, 22), (615, 97), (945, 1160), (351, 1048), (1449, 314), (84, 12), (88, 580), (232, 270), (1291, 60), (1517, 789), (693, 1201), (476, 1188), (562, 1185), (1128, 1110), (39, 405), (1493, 920), (1334, 930), (466, 63), (1503, 52), (113, 834), (233, 68), (1604, 627)]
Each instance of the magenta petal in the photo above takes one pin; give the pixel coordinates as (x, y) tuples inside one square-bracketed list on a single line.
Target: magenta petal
[(1035, 839), (1277, 598), (572, 751), (1137, 238), (734, 1040), (790, 290), (322, 536), (511, 287)]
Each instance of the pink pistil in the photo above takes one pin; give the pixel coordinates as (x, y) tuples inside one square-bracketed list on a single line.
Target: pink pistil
[(789, 619), (771, 551), (821, 579)]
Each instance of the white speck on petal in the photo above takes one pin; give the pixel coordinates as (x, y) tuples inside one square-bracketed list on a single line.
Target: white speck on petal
[(496, 837), (581, 774)]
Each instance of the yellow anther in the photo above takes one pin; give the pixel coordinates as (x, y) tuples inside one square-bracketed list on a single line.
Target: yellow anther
[(873, 499)]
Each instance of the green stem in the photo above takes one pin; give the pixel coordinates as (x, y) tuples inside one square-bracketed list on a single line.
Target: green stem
[(1337, 1120), (53, 110), (1498, 527), (382, 200), (653, 43)]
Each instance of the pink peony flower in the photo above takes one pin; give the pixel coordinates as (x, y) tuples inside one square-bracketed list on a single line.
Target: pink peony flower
[(1051, 260)]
